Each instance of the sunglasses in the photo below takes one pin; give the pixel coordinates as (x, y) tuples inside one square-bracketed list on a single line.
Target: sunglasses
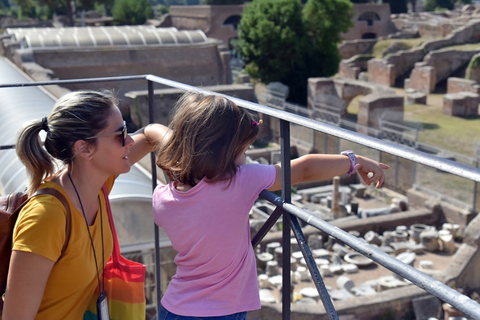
[(123, 133)]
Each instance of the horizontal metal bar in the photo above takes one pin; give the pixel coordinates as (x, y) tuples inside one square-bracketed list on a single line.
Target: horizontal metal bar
[(420, 279), (85, 80), (402, 151)]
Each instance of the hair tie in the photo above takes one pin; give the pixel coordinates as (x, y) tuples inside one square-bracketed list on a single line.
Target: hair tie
[(45, 124), (255, 123)]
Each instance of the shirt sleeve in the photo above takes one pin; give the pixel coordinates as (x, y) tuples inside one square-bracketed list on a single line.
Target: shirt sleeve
[(40, 227), (257, 177)]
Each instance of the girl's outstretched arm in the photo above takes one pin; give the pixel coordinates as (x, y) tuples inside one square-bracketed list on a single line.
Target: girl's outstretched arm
[(147, 140), (316, 167)]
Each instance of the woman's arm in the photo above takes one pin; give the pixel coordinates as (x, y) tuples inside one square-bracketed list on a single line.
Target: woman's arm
[(316, 167), (27, 277), (147, 140)]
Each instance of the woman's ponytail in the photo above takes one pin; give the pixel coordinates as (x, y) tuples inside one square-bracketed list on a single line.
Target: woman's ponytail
[(38, 162)]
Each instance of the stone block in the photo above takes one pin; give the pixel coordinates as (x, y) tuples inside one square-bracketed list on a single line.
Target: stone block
[(471, 103), (429, 240), (381, 72), (427, 306), (457, 85), (348, 70), (417, 98), (344, 282), (423, 78), (372, 107), (454, 104)]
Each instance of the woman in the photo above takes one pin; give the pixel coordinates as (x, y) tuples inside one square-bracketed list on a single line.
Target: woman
[(86, 146)]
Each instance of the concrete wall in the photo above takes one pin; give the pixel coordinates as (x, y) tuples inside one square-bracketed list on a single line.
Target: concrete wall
[(380, 28), (404, 60), (376, 100), (209, 19), (351, 48), (165, 99), (195, 64), (437, 66)]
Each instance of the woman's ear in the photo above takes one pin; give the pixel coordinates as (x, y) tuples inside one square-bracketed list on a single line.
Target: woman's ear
[(84, 149)]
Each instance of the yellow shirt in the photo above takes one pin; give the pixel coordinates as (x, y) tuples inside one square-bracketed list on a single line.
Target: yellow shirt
[(40, 229)]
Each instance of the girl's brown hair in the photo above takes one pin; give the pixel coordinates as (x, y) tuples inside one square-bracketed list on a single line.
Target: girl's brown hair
[(75, 116), (208, 133)]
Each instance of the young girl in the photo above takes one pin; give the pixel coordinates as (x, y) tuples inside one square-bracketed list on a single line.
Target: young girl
[(205, 208), (86, 135)]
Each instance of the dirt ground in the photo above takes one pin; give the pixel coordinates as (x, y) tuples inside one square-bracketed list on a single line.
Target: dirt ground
[(439, 260), (374, 271)]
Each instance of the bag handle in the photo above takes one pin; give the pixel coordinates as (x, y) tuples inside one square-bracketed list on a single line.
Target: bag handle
[(116, 246)]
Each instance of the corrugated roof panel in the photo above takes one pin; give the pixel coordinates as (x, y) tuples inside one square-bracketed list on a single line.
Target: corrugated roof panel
[(134, 38), (20, 105), (183, 37), (104, 36)]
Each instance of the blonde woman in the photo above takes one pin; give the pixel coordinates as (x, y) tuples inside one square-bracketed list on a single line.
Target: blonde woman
[(86, 135)]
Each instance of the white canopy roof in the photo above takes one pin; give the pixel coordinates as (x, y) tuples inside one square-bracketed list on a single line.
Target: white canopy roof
[(104, 36)]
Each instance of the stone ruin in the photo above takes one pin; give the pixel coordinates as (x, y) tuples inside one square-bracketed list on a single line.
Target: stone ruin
[(402, 227), (422, 68), (377, 99), (336, 260), (462, 98)]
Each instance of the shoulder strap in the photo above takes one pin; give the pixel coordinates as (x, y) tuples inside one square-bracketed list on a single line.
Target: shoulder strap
[(116, 245), (68, 226)]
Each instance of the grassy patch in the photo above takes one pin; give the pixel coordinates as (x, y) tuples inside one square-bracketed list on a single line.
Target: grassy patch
[(381, 46), (460, 135), (456, 134), (463, 47)]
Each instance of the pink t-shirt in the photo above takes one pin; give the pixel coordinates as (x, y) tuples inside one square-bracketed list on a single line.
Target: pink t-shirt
[(209, 227)]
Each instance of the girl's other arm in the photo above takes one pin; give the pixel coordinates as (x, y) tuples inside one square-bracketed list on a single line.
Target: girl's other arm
[(147, 140), (317, 167)]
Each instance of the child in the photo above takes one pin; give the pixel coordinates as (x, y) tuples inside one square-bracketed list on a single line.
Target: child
[(205, 208)]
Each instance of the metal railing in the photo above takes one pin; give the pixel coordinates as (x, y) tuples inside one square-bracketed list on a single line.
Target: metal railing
[(290, 213)]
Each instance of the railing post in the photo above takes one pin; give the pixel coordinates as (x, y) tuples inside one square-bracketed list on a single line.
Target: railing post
[(395, 183), (312, 267), (475, 206), (151, 119), (286, 195)]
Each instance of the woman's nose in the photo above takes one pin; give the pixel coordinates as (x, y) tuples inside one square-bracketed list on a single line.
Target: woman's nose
[(129, 141)]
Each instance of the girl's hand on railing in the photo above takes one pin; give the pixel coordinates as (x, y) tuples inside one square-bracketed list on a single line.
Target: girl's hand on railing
[(371, 170)]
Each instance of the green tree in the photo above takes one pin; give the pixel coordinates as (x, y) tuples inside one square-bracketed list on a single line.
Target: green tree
[(270, 40), (281, 40), (132, 11), (61, 7), (324, 21)]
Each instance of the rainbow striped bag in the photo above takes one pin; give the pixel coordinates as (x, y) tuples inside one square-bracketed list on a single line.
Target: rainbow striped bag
[(124, 283)]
